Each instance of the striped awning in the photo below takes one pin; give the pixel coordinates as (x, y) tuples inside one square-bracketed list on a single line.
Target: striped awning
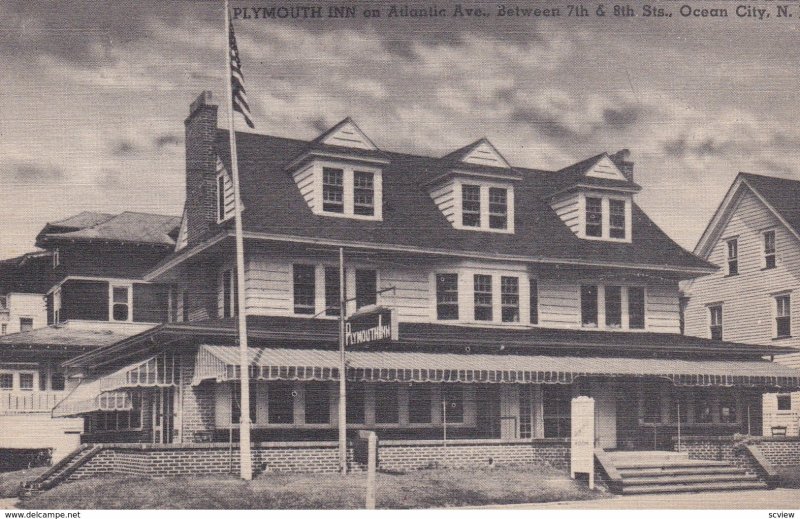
[(221, 363), (110, 392)]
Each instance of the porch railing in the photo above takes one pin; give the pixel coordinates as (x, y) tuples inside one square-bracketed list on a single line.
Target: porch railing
[(21, 402)]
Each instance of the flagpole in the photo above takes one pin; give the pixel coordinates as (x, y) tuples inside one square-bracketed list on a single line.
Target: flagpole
[(342, 369), (245, 462)]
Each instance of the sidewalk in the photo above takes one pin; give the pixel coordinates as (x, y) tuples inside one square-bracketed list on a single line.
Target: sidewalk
[(778, 499)]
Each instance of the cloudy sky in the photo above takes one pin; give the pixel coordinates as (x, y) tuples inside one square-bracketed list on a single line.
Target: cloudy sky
[(93, 97)]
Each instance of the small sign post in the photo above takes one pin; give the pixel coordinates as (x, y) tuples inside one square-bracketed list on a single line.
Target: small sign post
[(582, 446)]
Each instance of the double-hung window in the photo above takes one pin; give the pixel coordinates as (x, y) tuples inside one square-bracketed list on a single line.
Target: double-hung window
[(471, 206), (784, 402), (733, 257), (783, 316), (332, 288), (387, 403), (509, 299), (6, 381), (534, 300), (613, 306), (616, 218), (483, 297), (220, 197), (26, 381), (229, 301), (366, 287), (420, 403), (453, 403), (498, 208), (120, 303), (589, 305), (280, 402), (304, 288), (636, 308), (363, 193), (715, 316), (318, 403), (333, 190), (594, 217), (446, 296), (236, 402), (769, 250)]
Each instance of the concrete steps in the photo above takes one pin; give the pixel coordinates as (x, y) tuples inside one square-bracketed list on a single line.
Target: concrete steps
[(656, 472)]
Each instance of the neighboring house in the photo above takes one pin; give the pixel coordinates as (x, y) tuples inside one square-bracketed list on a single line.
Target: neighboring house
[(89, 293), (515, 290), (753, 298)]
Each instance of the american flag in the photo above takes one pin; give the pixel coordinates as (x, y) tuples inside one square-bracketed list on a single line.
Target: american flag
[(237, 80)]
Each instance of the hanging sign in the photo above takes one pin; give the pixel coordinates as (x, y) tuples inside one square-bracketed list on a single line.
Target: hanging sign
[(372, 324)]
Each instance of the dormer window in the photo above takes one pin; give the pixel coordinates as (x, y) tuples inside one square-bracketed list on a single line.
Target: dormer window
[(332, 190), (498, 208), (471, 205), (594, 217), (363, 193), (617, 218)]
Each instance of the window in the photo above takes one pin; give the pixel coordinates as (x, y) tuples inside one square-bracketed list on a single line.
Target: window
[(784, 401), (617, 218), (6, 381), (56, 258), (3, 329), (613, 306), (446, 296), (498, 208), (483, 297), (716, 322), (25, 324), (636, 308), (280, 403), (509, 299), (733, 257), (419, 403), (318, 403), (783, 316), (57, 382), (363, 193), (57, 305), (26, 381), (556, 403), (303, 289), (120, 303), (589, 305), (220, 197), (534, 301), (769, 250), (332, 190), (727, 408), (332, 287), (702, 407), (387, 406), (526, 411), (453, 396), (356, 402), (229, 302), (236, 402), (366, 287), (120, 420), (471, 206), (185, 306), (594, 217)]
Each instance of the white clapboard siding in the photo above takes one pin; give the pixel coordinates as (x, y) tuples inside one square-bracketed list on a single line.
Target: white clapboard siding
[(662, 311), (228, 189), (412, 294), (559, 303), (605, 168), (349, 135), (748, 298), (568, 209), (305, 183), (269, 286), (444, 197), (484, 154)]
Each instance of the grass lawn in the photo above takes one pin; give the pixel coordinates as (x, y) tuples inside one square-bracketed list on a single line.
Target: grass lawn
[(420, 489), (10, 481), (789, 476)]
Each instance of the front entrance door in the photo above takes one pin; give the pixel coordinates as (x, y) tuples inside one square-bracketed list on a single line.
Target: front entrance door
[(161, 408), (487, 399), (627, 418)]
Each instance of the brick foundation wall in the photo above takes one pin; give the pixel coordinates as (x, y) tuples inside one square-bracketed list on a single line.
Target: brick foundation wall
[(320, 457), (780, 452), (721, 448)]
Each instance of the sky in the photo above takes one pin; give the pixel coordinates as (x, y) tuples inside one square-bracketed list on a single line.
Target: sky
[(93, 97)]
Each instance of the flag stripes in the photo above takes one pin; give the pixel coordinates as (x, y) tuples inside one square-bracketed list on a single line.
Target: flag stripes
[(238, 92)]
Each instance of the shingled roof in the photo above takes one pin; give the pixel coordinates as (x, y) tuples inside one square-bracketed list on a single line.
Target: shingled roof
[(782, 194), (411, 219), (131, 227)]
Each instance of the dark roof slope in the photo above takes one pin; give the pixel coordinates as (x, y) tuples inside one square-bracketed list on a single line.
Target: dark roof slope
[(783, 194), (28, 273), (63, 337), (410, 218), (131, 227)]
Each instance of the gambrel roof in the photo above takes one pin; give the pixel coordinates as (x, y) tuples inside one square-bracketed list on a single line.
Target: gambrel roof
[(779, 195)]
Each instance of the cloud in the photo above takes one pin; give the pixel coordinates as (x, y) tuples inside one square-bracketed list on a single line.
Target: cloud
[(167, 139), (32, 173), (124, 148)]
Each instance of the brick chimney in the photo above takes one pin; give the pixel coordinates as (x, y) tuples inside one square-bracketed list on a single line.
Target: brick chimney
[(201, 164), (620, 159)]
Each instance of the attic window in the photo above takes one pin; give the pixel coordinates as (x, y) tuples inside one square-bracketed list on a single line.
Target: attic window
[(333, 190), (363, 193), (498, 208), (594, 217), (471, 206), (617, 218)]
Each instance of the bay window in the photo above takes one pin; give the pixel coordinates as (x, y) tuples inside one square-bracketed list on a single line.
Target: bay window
[(613, 306), (446, 296), (509, 299), (304, 289), (483, 297)]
